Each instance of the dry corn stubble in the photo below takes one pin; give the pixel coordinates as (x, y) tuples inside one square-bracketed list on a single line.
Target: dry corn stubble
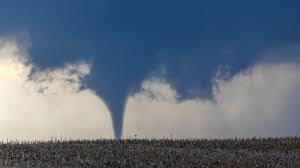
[(254, 152)]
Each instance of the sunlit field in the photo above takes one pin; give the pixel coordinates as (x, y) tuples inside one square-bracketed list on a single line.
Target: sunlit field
[(252, 152)]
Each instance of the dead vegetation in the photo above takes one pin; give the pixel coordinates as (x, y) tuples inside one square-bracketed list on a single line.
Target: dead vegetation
[(270, 152)]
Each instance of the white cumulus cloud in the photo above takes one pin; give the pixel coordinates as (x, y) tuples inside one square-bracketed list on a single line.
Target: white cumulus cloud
[(47, 104), (260, 101)]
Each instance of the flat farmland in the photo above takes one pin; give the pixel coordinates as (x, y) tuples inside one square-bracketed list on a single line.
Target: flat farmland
[(252, 152)]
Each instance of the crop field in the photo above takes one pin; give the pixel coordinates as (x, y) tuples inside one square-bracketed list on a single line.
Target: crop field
[(254, 152)]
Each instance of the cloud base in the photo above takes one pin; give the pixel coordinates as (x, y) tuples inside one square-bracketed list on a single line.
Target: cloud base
[(47, 104)]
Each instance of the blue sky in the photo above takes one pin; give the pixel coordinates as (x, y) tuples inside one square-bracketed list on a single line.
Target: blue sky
[(127, 41)]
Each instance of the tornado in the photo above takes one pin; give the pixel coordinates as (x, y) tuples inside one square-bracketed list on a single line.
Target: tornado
[(116, 107), (114, 78)]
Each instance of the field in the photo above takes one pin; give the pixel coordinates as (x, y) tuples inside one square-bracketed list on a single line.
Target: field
[(254, 152)]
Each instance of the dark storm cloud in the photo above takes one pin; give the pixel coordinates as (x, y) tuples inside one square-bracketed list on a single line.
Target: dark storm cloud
[(127, 41)]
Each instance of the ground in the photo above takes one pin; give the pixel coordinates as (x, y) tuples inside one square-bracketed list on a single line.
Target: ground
[(254, 152)]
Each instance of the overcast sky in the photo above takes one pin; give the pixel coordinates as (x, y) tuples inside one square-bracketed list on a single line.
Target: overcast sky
[(149, 68)]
